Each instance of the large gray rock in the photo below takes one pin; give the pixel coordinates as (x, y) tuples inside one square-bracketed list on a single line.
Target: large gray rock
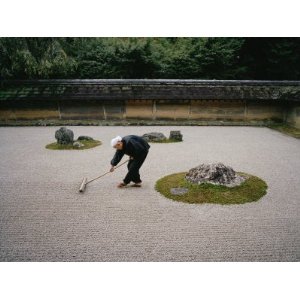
[(64, 136), (154, 137), (175, 135), (216, 173)]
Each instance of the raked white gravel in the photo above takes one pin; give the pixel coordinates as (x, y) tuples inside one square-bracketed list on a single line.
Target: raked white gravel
[(43, 217)]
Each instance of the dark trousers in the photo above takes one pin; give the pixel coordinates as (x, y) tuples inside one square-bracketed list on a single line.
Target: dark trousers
[(133, 169)]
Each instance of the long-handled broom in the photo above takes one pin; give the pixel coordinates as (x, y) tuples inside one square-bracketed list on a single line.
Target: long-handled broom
[(85, 182)]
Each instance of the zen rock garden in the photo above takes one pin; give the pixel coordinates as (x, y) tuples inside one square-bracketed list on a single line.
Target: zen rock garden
[(191, 206), (211, 183), (65, 141), (205, 183)]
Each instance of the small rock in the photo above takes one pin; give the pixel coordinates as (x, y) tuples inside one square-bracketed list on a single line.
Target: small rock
[(175, 135), (154, 137), (179, 191), (64, 136), (85, 137), (78, 145)]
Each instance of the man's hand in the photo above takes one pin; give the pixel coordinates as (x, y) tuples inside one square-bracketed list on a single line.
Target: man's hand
[(112, 169)]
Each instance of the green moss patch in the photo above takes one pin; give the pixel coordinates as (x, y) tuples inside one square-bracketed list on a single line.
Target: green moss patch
[(166, 141), (252, 189), (87, 145), (286, 129)]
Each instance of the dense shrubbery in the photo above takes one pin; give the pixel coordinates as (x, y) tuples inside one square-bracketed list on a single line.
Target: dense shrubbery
[(197, 58)]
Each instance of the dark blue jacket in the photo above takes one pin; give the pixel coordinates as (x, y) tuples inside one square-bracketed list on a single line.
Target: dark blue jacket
[(134, 146)]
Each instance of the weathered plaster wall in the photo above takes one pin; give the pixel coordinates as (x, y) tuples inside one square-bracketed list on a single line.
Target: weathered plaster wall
[(176, 100)]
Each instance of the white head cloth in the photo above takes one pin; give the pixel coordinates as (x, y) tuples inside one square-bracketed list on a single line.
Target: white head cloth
[(114, 141)]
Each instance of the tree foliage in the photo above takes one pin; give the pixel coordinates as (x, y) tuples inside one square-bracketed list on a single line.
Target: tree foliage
[(29, 58), (197, 58)]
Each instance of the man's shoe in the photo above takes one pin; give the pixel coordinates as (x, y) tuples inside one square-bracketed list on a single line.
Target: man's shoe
[(137, 185), (121, 185)]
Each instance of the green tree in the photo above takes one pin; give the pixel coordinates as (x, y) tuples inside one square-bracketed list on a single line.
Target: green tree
[(170, 57), (271, 58), (29, 58), (217, 58), (117, 58)]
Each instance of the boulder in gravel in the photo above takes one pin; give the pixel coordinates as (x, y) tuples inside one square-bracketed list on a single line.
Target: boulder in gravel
[(85, 138), (64, 136), (154, 137), (175, 135), (216, 173)]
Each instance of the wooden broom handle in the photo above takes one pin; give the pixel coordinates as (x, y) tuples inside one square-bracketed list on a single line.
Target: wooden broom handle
[(107, 172)]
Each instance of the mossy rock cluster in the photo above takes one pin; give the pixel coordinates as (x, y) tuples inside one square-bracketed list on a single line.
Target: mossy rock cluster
[(65, 141), (87, 144), (252, 189), (158, 137)]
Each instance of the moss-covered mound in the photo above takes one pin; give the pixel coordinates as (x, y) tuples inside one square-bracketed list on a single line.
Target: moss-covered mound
[(87, 144), (165, 141), (286, 129), (252, 189)]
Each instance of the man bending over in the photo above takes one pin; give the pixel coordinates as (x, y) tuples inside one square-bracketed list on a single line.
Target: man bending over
[(137, 149)]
